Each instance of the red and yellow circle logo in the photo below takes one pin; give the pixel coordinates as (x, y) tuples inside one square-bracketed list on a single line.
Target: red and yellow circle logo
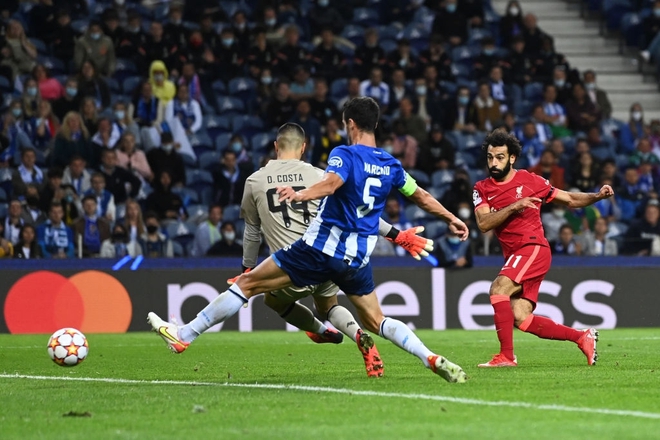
[(91, 301)]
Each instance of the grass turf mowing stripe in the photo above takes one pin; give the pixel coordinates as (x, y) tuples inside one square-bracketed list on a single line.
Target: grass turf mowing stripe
[(465, 401)]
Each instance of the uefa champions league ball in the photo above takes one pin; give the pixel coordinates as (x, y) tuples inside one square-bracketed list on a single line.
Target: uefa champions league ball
[(68, 347)]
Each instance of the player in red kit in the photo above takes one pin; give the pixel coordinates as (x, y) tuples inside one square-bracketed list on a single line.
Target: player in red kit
[(509, 202)]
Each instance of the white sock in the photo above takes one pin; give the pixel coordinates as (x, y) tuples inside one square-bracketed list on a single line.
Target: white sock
[(224, 306), (303, 318), (399, 333), (344, 321)]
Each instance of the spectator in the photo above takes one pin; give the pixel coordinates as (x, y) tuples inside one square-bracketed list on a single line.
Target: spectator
[(459, 114), (353, 91), (44, 126), (498, 89), (132, 159), (105, 201), (185, 110), (563, 87), (643, 154), (609, 172), (166, 158), (26, 173), (392, 214), (648, 180), (229, 181), (509, 122), (325, 16), (274, 31), (148, 113), (162, 88), (437, 154), (70, 102), (77, 176), (473, 10), (376, 88), (310, 124), (208, 232), (242, 32), (72, 139), (413, 125), (650, 30), (14, 222), (511, 24), (280, 109), (265, 90), (261, 54), (555, 114), (121, 183), (27, 247), (227, 245), (328, 61), (243, 158), (598, 96), (32, 213), (548, 60), (49, 88), (154, 243), (403, 58), (597, 243), (163, 202), (543, 130), (92, 86), (450, 23), (635, 130), (368, 55), (519, 68), (54, 237), (585, 172), (190, 78), (630, 197), (398, 89), (429, 99), (90, 116), (93, 229), (566, 244), (331, 139), (133, 222), (23, 53), (110, 24), (302, 86), (229, 56), (548, 169), (532, 147), (107, 134), (291, 54), (208, 30), (404, 146), (453, 253), (436, 56), (486, 113), (582, 113), (50, 189), (124, 121), (643, 235), (31, 98), (157, 47), (64, 41), (6, 247), (533, 35), (486, 60), (321, 107), (96, 47), (119, 244), (133, 39)]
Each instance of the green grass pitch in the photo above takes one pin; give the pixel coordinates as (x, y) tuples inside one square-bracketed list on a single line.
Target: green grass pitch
[(233, 386)]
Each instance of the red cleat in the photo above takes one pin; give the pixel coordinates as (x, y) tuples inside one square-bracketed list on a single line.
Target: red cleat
[(372, 361), (329, 336), (499, 360), (587, 344)]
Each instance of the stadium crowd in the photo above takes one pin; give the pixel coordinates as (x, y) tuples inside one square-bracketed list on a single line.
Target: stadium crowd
[(130, 127)]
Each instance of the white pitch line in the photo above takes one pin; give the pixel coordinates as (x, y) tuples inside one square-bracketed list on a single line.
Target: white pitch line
[(461, 400)]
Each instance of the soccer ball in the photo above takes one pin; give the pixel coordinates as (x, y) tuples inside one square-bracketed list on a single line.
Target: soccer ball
[(68, 347)]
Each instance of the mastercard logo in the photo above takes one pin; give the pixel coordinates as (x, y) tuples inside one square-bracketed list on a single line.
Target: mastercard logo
[(91, 301)]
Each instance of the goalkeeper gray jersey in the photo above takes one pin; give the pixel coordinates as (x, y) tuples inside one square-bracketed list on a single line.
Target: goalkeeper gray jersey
[(281, 223)]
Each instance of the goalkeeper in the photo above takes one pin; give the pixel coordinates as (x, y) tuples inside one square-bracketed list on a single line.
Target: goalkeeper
[(283, 224)]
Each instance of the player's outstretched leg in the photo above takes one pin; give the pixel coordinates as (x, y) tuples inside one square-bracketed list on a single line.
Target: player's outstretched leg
[(169, 332)]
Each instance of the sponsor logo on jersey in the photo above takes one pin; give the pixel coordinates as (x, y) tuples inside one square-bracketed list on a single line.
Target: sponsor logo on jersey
[(335, 161), (476, 198)]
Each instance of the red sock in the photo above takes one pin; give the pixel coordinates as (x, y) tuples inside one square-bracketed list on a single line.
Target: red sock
[(548, 329), (503, 323)]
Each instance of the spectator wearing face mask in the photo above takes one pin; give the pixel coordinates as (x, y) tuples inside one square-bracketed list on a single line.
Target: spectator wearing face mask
[(167, 158), (154, 243), (566, 244), (70, 102), (229, 181), (369, 55), (184, 113), (162, 88), (124, 122), (119, 245), (458, 114), (450, 23), (598, 96), (227, 246), (97, 48), (635, 130), (453, 253), (228, 54), (243, 158), (511, 24)]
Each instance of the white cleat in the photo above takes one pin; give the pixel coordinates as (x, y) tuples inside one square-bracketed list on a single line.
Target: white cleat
[(168, 332), (446, 369)]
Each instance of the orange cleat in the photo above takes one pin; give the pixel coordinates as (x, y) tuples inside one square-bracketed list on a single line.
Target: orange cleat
[(587, 344), (499, 360), (372, 361), (329, 336)]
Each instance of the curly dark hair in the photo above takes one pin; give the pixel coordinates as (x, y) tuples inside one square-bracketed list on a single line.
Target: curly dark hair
[(500, 138)]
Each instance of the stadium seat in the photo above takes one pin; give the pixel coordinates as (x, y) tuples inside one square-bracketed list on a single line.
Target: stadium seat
[(389, 32), (227, 104), (244, 89), (339, 88), (442, 178), (438, 192), (201, 149), (184, 241), (178, 250), (197, 213), (130, 83), (187, 195), (388, 45), (54, 65), (209, 160), (421, 177), (631, 29), (124, 69), (461, 70), (222, 141), (5, 86), (261, 140), (247, 125), (4, 207), (3, 195), (476, 175), (201, 138), (205, 192), (120, 210), (40, 46), (415, 214), (194, 176), (231, 213), (464, 54), (189, 161), (354, 33), (80, 26), (434, 229), (113, 85), (215, 125), (533, 92), (365, 17)]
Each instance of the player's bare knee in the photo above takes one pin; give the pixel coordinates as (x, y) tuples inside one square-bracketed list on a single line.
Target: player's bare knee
[(503, 286)]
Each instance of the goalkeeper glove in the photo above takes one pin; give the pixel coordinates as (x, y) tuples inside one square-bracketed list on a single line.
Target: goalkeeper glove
[(415, 245)]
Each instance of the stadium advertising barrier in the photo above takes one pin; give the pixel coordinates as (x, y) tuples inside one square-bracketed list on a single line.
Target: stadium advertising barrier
[(100, 301)]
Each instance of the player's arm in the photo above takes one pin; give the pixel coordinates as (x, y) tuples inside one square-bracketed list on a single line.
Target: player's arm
[(487, 220), (327, 186), (580, 199), (409, 240), (428, 203)]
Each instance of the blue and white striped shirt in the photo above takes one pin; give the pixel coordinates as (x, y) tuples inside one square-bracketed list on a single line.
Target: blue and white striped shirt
[(346, 226), (381, 92)]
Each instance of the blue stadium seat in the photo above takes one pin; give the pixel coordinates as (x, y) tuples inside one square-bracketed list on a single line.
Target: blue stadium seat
[(194, 176), (189, 161), (533, 92), (339, 88), (204, 191), (415, 214), (434, 229), (464, 54), (124, 69), (129, 84), (209, 160), (388, 45), (389, 32), (40, 46), (245, 123), (442, 178), (80, 26), (215, 125), (178, 250), (476, 175), (219, 86), (365, 17), (184, 241), (461, 70), (261, 140), (227, 104), (222, 141), (438, 192), (201, 138), (243, 88), (353, 33), (420, 176), (613, 10), (188, 195), (113, 85), (197, 211), (231, 213), (54, 65), (3, 195), (631, 29), (5, 86), (4, 207)]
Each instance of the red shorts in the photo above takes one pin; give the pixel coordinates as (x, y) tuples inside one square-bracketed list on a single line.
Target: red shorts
[(528, 266)]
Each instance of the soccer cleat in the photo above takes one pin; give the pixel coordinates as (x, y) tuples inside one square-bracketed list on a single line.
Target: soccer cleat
[(587, 344), (372, 361), (499, 360), (169, 332), (329, 336), (449, 371)]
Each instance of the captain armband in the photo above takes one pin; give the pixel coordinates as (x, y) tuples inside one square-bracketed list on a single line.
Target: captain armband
[(408, 188)]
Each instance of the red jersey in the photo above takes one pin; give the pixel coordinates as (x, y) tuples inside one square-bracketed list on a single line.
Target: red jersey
[(521, 228)]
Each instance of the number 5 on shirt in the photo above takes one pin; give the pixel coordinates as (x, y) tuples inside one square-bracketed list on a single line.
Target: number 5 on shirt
[(368, 199)]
